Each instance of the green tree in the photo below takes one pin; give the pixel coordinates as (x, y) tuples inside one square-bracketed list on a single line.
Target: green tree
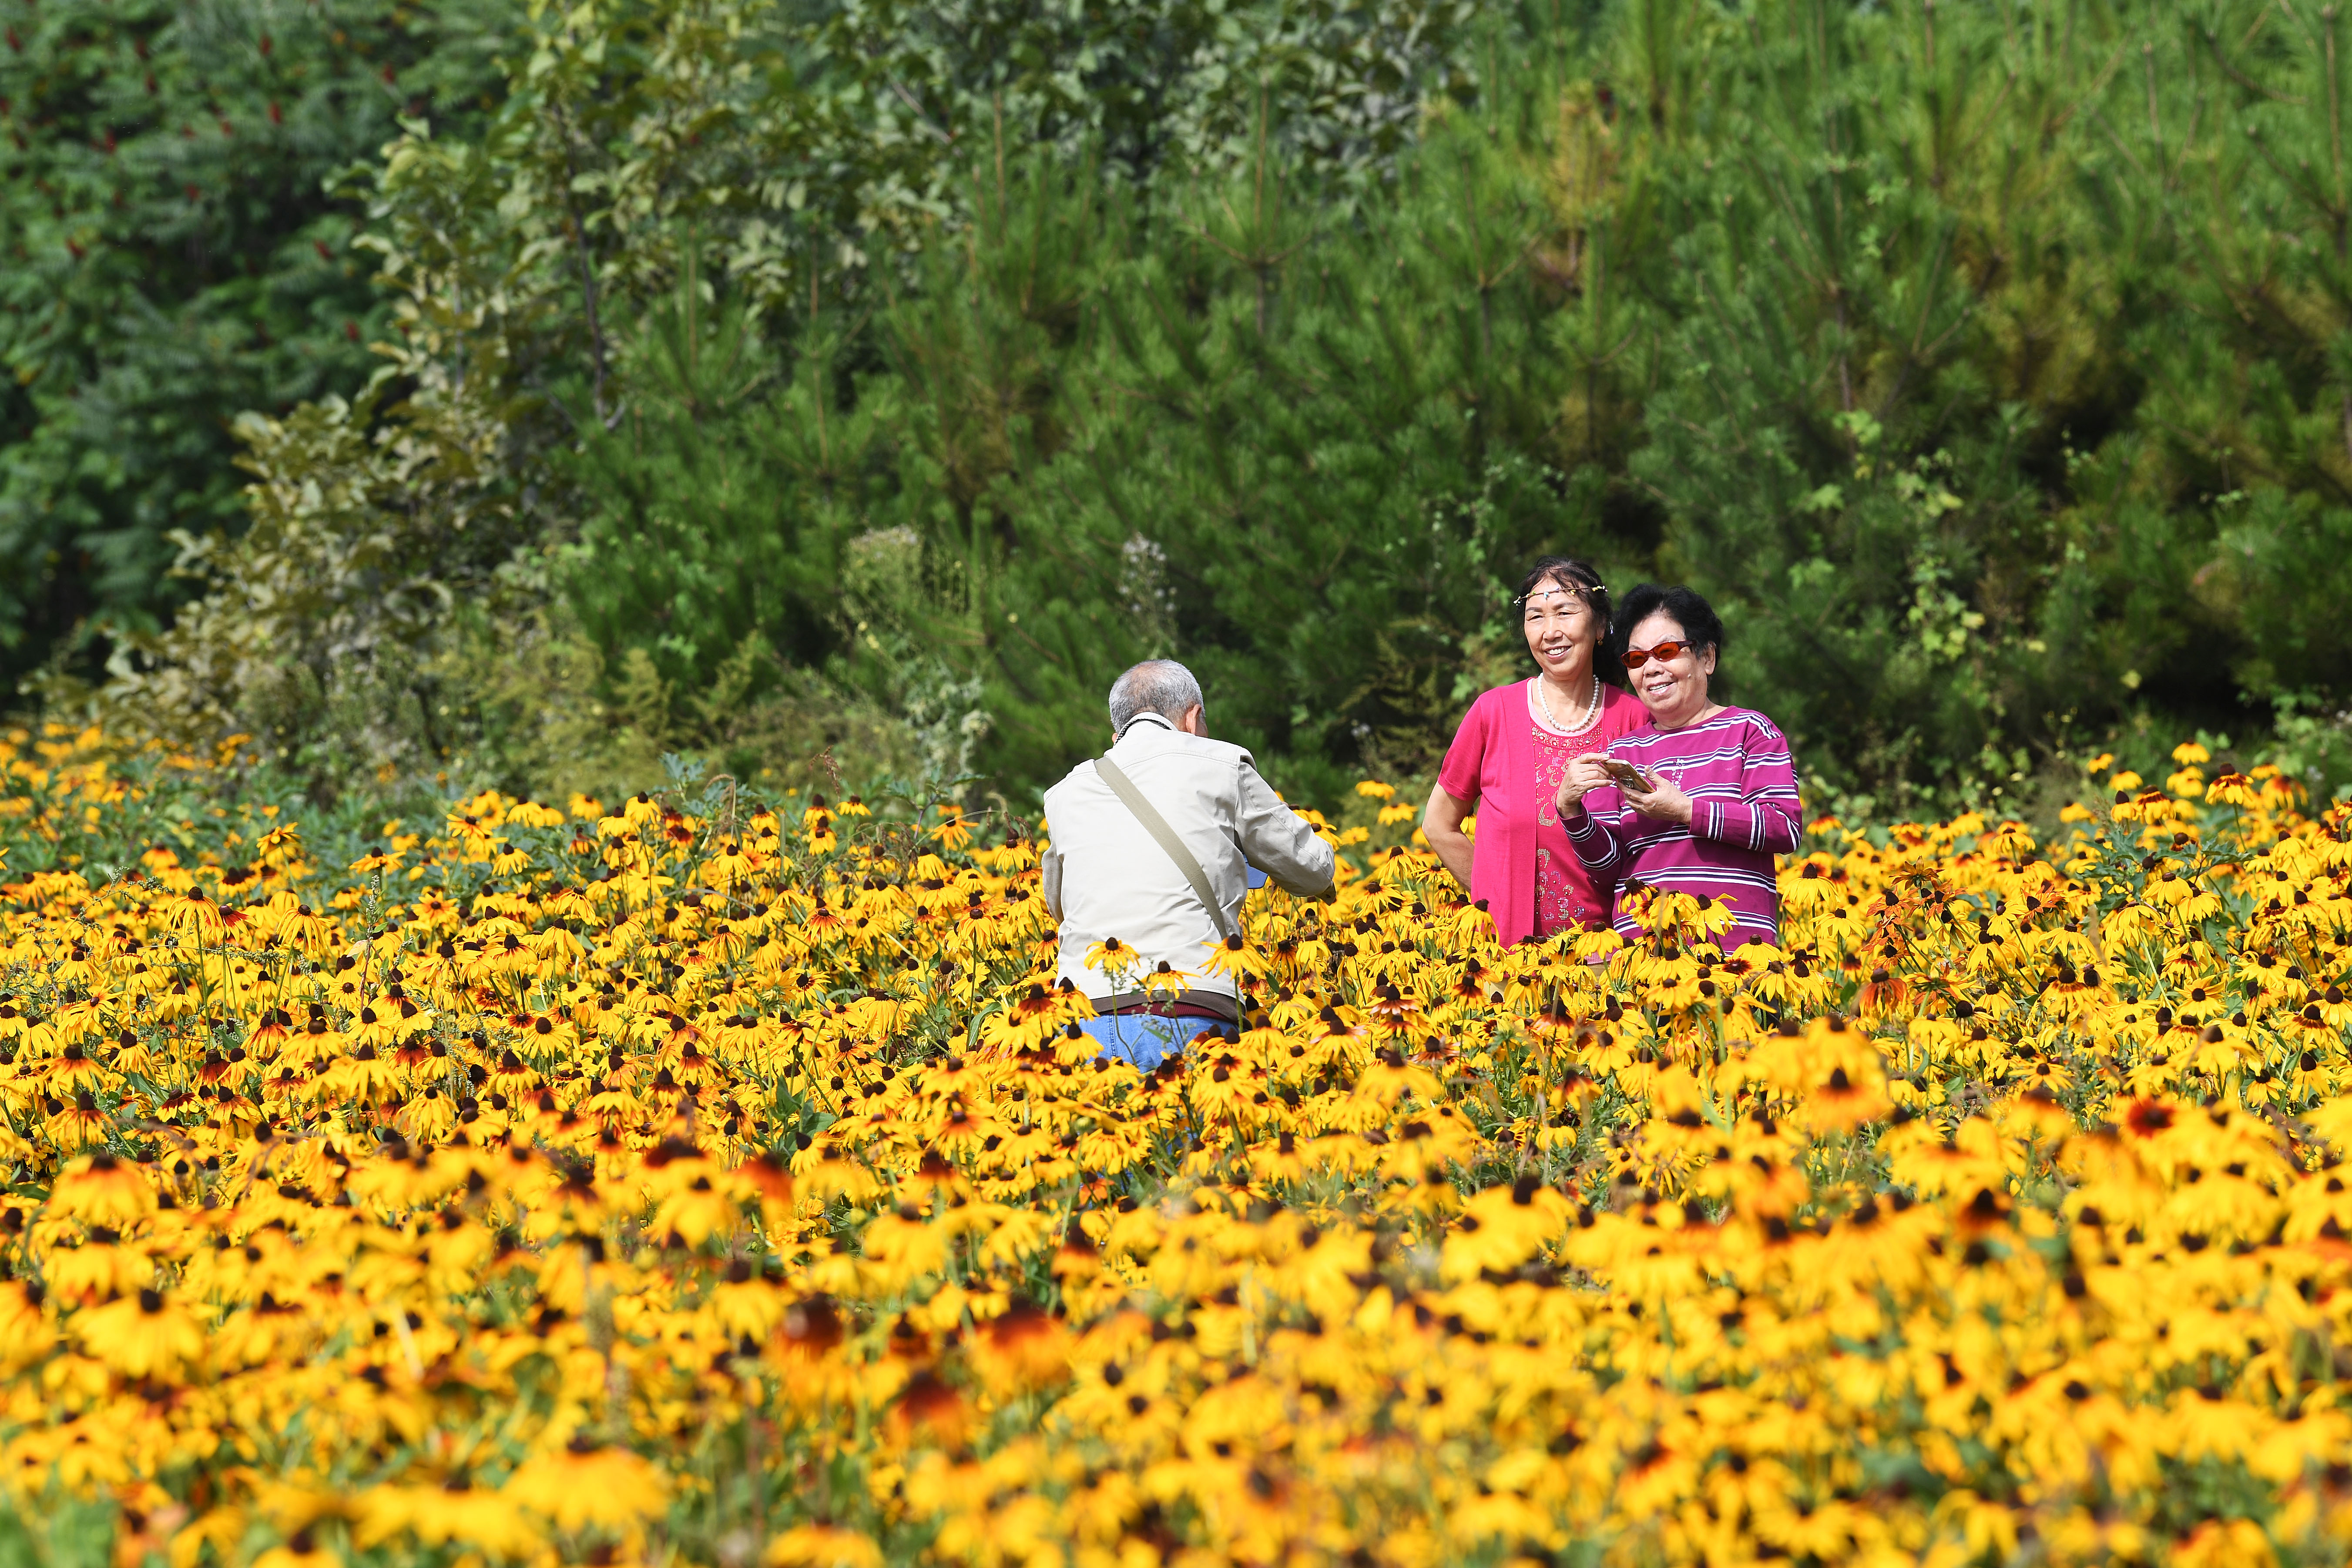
[(175, 254), (1299, 447), (797, 163), (1842, 475), (2244, 453), (718, 507), (768, 379)]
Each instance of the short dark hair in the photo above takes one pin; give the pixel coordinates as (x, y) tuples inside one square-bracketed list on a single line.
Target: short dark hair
[(1570, 572), (1702, 627)]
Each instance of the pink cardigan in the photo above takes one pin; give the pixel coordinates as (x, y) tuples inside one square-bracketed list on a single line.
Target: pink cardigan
[(1492, 766)]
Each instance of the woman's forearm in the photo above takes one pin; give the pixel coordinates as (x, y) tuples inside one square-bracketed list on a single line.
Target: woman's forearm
[(1453, 851), (1440, 824), (1770, 826), (1596, 847)]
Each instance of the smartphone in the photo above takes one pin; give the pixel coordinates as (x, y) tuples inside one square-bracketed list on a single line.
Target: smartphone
[(1628, 776)]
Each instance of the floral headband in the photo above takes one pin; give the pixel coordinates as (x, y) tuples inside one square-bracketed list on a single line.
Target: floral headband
[(1552, 585)]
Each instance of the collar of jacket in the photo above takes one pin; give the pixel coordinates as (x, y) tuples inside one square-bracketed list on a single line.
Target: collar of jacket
[(1160, 719)]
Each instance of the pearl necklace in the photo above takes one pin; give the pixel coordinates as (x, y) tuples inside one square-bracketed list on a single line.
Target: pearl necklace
[(1591, 708)]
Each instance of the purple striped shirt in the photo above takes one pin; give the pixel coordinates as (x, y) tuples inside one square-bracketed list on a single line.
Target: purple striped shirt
[(1744, 810)]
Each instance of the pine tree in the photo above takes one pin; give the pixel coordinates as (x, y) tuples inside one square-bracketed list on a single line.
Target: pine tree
[(2245, 480), (719, 509), (1836, 436), (1323, 433)]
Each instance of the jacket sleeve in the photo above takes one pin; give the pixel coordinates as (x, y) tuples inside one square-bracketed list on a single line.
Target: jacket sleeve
[(1049, 866), (1765, 817), (1278, 842)]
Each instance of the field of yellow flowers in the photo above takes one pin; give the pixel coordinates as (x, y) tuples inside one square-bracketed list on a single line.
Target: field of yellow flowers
[(699, 1181)]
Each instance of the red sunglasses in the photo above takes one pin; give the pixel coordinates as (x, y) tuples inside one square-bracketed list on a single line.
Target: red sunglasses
[(1635, 658)]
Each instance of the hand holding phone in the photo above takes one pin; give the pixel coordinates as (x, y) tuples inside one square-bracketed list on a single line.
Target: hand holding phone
[(1583, 776), (1628, 778), (1657, 798)]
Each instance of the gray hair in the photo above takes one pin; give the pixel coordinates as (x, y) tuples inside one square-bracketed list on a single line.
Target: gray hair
[(1159, 685)]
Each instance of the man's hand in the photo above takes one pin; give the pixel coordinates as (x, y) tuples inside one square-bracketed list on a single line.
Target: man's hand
[(1584, 776), (1665, 801)]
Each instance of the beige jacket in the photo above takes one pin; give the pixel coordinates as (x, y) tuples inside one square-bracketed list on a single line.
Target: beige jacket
[(1106, 876)]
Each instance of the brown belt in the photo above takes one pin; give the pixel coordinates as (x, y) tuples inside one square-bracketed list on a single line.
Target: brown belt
[(1216, 1002)]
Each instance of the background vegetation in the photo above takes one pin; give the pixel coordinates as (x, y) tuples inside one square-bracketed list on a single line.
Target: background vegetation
[(854, 389)]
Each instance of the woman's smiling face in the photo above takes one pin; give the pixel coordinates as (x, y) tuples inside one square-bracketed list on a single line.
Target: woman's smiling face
[(1672, 687), (1562, 631)]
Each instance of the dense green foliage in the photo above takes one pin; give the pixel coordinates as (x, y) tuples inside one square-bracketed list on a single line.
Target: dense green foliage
[(862, 388), (174, 255)]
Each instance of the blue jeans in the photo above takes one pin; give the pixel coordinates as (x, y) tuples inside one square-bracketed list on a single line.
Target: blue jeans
[(1144, 1040)]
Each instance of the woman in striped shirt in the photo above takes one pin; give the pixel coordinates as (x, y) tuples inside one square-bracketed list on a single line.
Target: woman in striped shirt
[(1710, 795)]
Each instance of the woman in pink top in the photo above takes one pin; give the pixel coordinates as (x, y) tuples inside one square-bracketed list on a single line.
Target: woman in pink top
[(1513, 751)]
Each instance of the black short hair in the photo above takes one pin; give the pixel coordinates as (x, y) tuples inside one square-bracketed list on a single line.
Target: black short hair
[(1570, 572), (1702, 627), (1585, 579)]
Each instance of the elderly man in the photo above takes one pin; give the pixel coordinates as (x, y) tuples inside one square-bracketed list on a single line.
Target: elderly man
[(1154, 844)]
